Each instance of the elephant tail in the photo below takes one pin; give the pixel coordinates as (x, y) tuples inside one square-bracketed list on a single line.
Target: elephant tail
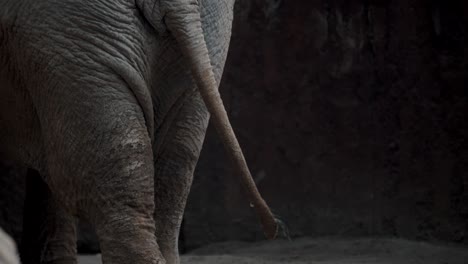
[(183, 20)]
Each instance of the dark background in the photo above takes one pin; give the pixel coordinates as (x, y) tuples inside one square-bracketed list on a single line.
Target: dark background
[(353, 116)]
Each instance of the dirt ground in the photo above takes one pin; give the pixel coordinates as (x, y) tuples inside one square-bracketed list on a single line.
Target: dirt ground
[(323, 251)]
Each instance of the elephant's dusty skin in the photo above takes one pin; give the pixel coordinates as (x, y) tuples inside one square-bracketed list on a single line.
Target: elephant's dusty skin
[(105, 109)]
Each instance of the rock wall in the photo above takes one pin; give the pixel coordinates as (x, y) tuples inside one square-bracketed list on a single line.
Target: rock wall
[(353, 116)]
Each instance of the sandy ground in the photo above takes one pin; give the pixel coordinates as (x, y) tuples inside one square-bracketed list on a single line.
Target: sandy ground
[(323, 251)]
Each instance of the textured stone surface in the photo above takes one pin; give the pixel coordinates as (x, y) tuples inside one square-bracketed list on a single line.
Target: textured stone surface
[(353, 116)]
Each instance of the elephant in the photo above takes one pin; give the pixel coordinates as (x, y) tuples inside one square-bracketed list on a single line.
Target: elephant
[(8, 253), (107, 104)]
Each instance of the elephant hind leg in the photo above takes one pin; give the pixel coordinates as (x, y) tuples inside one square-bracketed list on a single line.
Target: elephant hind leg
[(99, 160), (128, 238), (119, 203), (49, 233), (121, 213), (116, 192), (175, 161)]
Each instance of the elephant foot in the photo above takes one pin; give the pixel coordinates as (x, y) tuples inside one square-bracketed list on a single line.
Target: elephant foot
[(171, 255), (125, 238)]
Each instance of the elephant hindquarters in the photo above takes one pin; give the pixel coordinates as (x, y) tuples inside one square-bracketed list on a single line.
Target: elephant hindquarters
[(100, 166)]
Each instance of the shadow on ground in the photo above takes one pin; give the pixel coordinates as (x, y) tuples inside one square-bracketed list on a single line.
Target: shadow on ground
[(323, 251)]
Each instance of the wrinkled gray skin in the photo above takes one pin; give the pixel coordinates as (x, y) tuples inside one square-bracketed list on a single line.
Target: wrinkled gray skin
[(75, 82)]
